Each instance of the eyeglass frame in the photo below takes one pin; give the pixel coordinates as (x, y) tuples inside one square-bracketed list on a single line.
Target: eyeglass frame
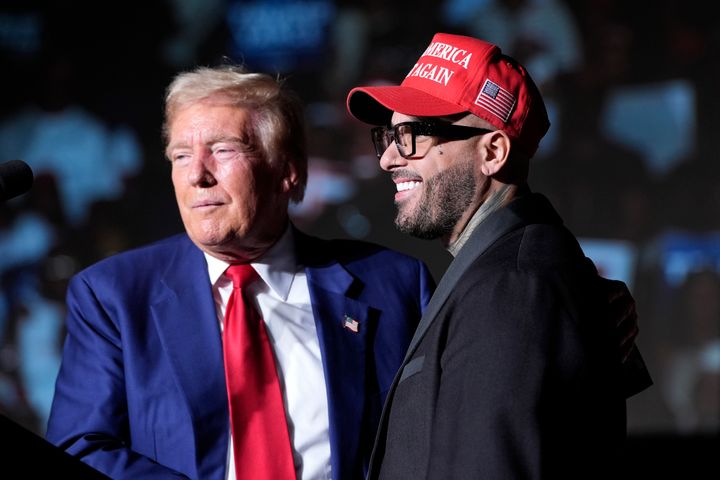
[(428, 129)]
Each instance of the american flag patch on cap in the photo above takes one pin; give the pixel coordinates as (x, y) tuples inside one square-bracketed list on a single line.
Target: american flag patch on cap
[(496, 100)]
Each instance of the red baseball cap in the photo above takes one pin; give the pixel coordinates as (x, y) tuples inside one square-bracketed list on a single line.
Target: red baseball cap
[(458, 74)]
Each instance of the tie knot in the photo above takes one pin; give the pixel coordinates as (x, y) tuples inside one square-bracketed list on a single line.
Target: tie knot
[(242, 274)]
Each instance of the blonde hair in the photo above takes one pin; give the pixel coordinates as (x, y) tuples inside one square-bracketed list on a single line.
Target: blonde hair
[(276, 112)]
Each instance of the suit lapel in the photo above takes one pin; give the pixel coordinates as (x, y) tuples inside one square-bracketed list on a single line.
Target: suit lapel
[(185, 317), (495, 226), (343, 352)]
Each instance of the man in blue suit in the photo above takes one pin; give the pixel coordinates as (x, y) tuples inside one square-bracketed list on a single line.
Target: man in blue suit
[(142, 393)]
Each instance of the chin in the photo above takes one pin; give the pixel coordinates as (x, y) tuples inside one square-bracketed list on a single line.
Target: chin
[(207, 240)]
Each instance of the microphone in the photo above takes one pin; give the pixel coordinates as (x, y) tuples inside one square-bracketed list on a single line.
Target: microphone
[(16, 178)]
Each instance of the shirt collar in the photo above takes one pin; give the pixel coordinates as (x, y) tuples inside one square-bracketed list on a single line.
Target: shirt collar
[(277, 267)]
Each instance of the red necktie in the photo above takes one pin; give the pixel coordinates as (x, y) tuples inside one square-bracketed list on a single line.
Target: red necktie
[(257, 416)]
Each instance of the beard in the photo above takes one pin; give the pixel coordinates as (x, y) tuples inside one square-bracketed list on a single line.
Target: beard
[(444, 200)]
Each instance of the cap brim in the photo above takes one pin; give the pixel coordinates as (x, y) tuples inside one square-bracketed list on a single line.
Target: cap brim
[(375, 105)]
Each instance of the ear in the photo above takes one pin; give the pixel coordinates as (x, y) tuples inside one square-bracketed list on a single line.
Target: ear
[(495, 150), (290, 178)]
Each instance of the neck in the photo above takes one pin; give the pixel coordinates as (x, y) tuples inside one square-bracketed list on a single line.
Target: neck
[(498, 198)]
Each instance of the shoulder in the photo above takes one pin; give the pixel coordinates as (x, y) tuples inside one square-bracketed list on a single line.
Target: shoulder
[(537, 257), (547, 246), (313, 250), (544, 242), (382, 270), (141, 261)]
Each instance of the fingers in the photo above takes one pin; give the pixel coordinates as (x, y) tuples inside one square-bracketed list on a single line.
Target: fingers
[(622, 312)]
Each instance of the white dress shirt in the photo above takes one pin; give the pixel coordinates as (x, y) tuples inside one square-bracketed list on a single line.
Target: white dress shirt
[(283, 300)]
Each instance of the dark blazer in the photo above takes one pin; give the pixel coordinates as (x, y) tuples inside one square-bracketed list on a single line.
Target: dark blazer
[(513, 371), (141, 391)]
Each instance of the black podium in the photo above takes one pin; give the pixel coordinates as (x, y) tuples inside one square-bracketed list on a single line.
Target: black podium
[(27, 455)]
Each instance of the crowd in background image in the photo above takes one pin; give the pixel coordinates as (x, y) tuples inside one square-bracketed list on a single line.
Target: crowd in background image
[(630, 161)]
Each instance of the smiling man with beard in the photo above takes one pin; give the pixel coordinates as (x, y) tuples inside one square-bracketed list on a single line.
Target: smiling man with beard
[(511, 373)]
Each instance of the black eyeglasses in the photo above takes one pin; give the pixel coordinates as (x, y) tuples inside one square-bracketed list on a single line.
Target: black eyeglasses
[(405, 135)]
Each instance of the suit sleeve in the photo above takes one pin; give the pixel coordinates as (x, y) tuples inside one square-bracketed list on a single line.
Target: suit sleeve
[(89, 416)]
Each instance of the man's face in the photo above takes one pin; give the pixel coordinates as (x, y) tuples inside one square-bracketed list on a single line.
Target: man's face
[(436, 188), (232, 203)]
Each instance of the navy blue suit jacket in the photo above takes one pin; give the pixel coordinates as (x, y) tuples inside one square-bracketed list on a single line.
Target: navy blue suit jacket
[(141, 391)]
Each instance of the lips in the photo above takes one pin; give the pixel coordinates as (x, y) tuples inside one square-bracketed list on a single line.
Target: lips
[(405, 182), (205, 203), (405, 188)]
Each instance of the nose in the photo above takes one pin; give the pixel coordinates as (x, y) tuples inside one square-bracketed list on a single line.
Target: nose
[(200, 173), (391, 158)]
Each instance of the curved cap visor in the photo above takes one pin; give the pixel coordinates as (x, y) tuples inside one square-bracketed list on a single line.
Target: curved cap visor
[(375, 105)]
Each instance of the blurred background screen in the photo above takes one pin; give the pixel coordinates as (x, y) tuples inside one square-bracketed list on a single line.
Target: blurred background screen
[(631, 160)]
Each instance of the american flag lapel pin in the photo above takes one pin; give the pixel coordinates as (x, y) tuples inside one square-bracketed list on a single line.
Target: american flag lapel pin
[(351, 324)]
